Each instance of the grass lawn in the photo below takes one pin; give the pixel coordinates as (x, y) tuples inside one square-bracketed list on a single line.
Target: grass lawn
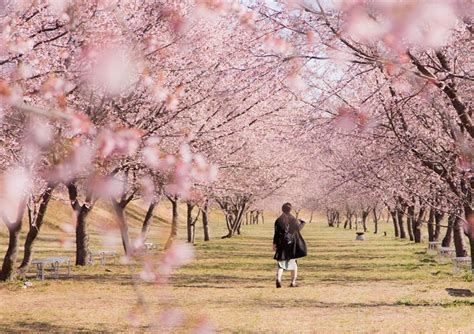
[(381, 285)]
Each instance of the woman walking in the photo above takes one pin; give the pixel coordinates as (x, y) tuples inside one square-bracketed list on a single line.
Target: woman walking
[(288, 244)]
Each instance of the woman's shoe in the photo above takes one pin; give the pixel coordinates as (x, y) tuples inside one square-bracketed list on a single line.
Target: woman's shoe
[(278, 284)]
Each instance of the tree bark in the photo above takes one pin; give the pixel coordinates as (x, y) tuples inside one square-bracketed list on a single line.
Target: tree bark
[(449, 231), (376, 220), (14, 229), (458, 236), (189, 221), (469, 231), (400, 224), (81, 212), (438, 218), (174, 222), (393, 213), (148, 219), (119, 208), (365, 214), (431, 219), (417, 225), (410, 221), (205, 220), (35, 223), (82, 238)]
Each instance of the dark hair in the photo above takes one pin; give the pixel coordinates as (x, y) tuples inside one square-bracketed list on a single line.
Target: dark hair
[(286, 208)]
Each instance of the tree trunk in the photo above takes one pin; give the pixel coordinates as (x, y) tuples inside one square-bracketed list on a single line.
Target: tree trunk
[(36, 222), (411, 221), (174, 222), (471, 243), (119, 208), (417, 225), (80, 212), (449, 231), (400, 224), (469, 231), (14, 229), (329, 218), (393, 213), (376, 220), (148, 219), (189, 221), (82, 238), (430, 225), (458, 236), (365, 214), (205, 220), (238, 218), (438, 218)]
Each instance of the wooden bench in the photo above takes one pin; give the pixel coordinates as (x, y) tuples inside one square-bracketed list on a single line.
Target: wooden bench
[(434, 245), (460, 262), (149, 246), (446, 251), (102, 255), (55, 262)]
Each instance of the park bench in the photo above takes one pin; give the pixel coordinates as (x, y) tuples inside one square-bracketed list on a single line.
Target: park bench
[(150, 246), (102, 255), (55, 262), (434, 245), (445, 253), (460, 262)]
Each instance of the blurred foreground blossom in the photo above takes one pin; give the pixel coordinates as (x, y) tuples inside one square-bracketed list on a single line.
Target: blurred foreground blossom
[(401, 23), (112, 68), (179, 254), (15, 187)]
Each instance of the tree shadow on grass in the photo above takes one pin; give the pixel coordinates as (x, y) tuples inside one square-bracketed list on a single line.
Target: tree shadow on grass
[(122, 279), (308, 303), (460, 292), (43, 327)]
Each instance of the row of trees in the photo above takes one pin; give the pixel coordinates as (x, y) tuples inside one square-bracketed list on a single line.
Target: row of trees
[(124, 100), (350, 109), (390, 123)]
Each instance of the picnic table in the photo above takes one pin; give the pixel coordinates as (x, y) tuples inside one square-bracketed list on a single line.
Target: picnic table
[(102, 255), (55, 262), (150, 245), (460, 262), (446, 251), (434, 245)]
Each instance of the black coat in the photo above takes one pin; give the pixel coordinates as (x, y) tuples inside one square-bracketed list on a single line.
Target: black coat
[(288, 239)]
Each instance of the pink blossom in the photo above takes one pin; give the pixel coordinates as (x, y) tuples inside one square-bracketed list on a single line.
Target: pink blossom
[(106, 187), (118, 142), (16, 185), (177, 255), (172, 317), (147, 273), (81, 124)]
